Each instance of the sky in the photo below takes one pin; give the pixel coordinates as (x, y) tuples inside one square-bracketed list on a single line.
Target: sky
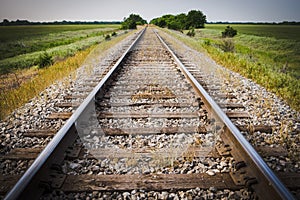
[(116, 10)]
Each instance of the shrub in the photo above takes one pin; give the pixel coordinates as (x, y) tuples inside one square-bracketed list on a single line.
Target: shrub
[(229, 32), (227, 45), (113, 34), (207, 42), (45, 60), (107, 37), (191, 32)]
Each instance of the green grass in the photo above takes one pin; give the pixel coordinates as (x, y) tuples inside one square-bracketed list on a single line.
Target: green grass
[(267, 54), (16, 40), (38, 79), (277, 46), (290, 32), (20, 46)]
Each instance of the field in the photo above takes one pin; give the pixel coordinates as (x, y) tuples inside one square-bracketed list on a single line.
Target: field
[(68, 45), (275, 45), (289, 32), (267, 54), (20, 46)]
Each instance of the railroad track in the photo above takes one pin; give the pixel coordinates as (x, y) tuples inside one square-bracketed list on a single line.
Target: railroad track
[(148, 126)]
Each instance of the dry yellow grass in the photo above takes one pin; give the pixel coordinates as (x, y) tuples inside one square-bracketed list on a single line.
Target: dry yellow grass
[(12, 98), (25, 89)]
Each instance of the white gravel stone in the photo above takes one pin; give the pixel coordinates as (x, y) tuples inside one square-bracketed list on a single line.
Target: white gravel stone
[(211, 172)]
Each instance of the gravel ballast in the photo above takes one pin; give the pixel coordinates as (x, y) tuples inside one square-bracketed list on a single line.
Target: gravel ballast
[(262, 106)]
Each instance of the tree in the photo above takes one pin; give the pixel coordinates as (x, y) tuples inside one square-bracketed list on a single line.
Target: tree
[(129, 24), (181, 19), (161, 23), (170, 21), (175, 25), (5, 22), (137, 19), (132, 21), (195, 19)]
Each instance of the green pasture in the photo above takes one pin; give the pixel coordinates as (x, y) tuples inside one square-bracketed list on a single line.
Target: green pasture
[(16, 40), (275, 46), (290, 32), (20, 46), (267, 54)]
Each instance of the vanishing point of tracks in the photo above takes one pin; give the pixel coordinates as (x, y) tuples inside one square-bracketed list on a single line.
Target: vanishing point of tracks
[(149, 126)]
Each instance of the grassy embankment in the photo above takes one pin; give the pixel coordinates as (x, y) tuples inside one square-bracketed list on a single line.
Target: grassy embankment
[(267, 54), (29, 82)]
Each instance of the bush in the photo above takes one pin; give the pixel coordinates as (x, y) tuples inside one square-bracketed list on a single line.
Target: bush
[(107, 37), (227, 45), (207, 42), (191, 33), (45, 60), (229, 32), (113, 34)]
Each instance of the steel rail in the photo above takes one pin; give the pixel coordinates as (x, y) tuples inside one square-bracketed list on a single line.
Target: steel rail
[(45, 155), (281, 191), (25, 180)]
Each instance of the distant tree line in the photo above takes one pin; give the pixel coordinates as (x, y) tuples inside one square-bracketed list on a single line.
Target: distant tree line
[(194, 19), (18, 22), (259, 23)]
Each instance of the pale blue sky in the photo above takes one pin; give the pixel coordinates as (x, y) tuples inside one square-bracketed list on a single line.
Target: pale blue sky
[(115, 10)]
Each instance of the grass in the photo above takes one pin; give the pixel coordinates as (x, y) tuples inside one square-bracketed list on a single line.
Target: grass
[(289, 32), (16, 40), (16, 97), (25, 84), (20, 46), (267, 54), (275, 45)]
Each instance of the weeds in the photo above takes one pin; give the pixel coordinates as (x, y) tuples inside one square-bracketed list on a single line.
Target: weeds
[(191, 33), (14, 98), (254, 59), (227, 45), (38, 79), (16, 40), (286, 128), (45, 60), (280, 83), (107, 37), (55, 44)]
